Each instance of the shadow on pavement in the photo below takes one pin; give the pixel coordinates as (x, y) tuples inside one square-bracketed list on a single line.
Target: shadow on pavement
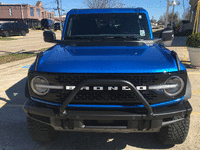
[(14, 133), (179, 41), (106, 141)]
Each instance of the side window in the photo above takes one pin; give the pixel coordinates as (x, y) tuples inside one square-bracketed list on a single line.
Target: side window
[(32, 11), (10, 11), (69, 29), (38, 12), (9, 25)]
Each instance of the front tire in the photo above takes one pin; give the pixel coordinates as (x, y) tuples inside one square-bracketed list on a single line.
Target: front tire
[(23, 33), (6, 34), (175, 133), (41, 132)]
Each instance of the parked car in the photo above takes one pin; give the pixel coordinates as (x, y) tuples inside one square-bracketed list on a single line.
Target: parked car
[(16, 28), (57, 26), (47, 24)]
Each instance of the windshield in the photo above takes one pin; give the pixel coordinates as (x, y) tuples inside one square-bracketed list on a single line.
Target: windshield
[(6, 24), (108, 25)]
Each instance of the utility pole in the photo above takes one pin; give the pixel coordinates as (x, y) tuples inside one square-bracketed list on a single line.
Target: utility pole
[(167, 12), (21, 12), (58, 7), (174, 4), (172, 21)]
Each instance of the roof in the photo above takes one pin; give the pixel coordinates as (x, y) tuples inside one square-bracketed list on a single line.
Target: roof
[(13, 4), (39, 3), (108, 10)]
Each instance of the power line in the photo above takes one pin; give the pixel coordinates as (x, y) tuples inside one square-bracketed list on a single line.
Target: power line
[(50, 3)]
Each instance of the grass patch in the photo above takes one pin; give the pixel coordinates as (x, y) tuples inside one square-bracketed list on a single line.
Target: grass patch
[(6, 39), (18, 56)]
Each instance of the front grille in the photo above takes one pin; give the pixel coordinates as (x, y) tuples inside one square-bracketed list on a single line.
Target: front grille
[(75, 79), (105, 96)]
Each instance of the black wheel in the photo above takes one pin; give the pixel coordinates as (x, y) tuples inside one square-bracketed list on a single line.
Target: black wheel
[(41, 132), (6, 34), (175, 133), (23, 33)]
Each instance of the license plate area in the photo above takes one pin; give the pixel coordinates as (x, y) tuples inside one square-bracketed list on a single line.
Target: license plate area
[(105, 124)]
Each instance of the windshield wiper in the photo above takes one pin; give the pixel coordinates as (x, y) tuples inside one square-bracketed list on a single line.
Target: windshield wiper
[(79, 37), (93, 38), (122, 37)]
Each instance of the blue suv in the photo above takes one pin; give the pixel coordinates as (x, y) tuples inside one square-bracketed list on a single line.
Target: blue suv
[(108, 74)]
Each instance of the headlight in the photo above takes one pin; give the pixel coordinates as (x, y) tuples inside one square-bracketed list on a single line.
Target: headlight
[(172, 86), (174, 80), (38, 80)]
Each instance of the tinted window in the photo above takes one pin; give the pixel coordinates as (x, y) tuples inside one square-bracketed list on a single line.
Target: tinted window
[(108, 24), (5, 24), (50, 22)]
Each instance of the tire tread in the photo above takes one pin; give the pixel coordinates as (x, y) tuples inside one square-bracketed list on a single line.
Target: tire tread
[(175, 133), (41, 132)]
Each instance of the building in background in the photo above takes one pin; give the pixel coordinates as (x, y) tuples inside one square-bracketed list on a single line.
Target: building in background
[(193, 12), (187, 25), (57, 18), (32, 15)]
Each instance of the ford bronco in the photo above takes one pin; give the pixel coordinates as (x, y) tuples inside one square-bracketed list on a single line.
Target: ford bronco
[(108, 74)]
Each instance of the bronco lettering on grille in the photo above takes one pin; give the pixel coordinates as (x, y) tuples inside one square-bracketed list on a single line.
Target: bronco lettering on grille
[(109, 88)]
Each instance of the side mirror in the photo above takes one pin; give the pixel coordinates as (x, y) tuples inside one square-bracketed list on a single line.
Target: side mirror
[(49, 36), (167, 35)]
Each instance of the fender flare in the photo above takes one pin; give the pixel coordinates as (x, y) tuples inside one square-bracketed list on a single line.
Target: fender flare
[(27, 95)]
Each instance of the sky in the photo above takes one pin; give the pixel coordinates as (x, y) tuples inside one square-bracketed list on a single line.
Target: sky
[(155, 8)]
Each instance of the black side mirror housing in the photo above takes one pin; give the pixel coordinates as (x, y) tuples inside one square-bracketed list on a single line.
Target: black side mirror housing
[(167, 35), (49, 36)]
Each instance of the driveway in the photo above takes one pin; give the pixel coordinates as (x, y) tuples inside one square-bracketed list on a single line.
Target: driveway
[(31, 42)]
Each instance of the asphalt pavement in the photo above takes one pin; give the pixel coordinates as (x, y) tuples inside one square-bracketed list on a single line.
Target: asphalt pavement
[(13, 129)]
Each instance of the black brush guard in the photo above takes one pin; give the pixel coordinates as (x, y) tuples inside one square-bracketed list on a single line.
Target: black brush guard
[(113, 82)]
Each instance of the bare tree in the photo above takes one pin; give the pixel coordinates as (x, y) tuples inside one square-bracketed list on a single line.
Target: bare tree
[(104, 3), (175, 17), (186, 14), (153, 20), (162, 19)]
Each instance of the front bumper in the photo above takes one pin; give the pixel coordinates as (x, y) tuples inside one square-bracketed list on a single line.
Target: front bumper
[(107, 120)]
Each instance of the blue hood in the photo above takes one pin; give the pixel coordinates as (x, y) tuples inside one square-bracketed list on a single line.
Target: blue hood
[(109, 59)]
